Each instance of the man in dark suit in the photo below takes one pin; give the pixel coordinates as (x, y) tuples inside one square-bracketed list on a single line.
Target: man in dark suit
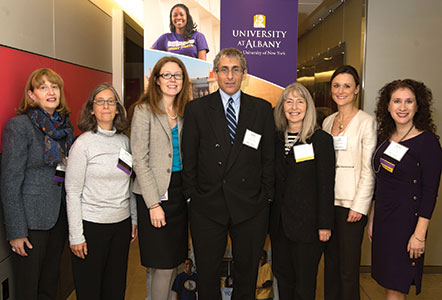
[(228, 156)]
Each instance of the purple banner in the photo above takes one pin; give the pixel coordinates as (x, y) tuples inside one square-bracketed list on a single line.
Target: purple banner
[(267, 33)]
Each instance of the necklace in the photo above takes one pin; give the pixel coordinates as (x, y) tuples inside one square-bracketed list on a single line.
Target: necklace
[(408, 132), (172, 117), (344, 119)]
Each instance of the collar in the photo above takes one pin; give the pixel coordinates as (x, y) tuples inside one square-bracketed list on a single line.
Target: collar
[(106, 132), (225, 98)]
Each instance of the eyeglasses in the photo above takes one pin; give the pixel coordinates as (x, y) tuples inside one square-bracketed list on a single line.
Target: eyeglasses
[(225, 71), (177, 76), (101, 102)]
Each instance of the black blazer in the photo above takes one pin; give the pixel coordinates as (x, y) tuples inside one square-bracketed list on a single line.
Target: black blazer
[(227, 182), (304, 193)]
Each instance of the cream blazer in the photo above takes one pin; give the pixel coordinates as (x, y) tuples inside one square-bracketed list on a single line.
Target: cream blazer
[(354, 181), (152, 152)]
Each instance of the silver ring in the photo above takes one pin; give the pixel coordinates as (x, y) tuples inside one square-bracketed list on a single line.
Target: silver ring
[(13, 249), (421, 252)]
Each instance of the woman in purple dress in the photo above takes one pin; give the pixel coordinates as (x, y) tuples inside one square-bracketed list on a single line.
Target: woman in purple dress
[(183, 37), (407, 163)]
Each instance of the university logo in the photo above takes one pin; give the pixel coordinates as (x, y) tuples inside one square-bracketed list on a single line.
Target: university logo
[(259, 21)]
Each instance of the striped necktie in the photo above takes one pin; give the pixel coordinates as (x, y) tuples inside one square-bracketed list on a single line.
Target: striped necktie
[(231, 120)]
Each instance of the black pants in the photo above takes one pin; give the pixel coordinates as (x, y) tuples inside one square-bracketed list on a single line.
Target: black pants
[(36, 275), (295, 266), (343, 258), (209, 241), (102, 274)]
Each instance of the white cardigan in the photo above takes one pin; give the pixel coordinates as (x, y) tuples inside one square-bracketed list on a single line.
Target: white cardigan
[(354, 181)]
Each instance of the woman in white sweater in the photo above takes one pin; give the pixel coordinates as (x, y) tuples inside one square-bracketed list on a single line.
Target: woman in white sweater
[(101, 217), (354, 135)]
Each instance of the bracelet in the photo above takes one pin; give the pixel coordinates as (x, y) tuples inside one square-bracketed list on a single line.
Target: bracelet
[(154, 206), (418, 239)]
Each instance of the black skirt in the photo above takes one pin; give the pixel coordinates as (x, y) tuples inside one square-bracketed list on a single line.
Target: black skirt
[(165, 247)]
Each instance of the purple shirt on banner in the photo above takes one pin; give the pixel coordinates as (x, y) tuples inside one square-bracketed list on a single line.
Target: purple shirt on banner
[(266, 32), (174, 42)]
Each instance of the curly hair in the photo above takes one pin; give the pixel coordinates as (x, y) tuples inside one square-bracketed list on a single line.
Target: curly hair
[(152, 96), (190, 27), (422, 120), (88, 122)]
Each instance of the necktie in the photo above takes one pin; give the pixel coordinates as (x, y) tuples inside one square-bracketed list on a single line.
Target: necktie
[(231, 120)]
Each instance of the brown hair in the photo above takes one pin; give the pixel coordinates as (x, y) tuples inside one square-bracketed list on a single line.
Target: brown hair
[(88, 121), (422, 120), (152, 96), (35, 80)]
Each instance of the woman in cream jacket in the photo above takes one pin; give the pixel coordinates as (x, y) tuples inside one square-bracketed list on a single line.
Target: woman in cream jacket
[(354, 134), (155, 143)]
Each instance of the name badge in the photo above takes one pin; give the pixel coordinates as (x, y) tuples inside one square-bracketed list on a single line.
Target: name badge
[(396, 151), (125, 162), (303, 152), (165, 197), (340, 142), (387, 165), (60, 172), (251, 139)]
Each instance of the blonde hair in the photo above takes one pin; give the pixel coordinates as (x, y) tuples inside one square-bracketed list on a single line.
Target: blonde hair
[(35, 80), (309, 125)]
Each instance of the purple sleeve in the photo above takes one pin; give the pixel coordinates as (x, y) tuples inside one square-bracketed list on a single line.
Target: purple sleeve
[(431, 164), (200, 42), (176, 283), (161, 43)]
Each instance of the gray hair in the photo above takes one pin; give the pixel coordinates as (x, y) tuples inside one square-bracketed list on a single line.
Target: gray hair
[(231, 53), (309, 125)]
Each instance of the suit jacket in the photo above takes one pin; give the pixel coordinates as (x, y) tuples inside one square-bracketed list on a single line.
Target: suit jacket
[(225, 181), (354, 184), (152, 152), (31, 198), (304, 191)]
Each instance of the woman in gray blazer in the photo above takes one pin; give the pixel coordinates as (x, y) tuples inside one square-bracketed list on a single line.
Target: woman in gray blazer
[(35, 144), (155, 144)]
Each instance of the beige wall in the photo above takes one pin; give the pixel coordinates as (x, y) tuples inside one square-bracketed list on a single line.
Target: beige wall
[(404, 41), (343, 25), (73, 31)]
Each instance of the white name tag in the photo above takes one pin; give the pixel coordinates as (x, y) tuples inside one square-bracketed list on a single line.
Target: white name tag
[(396, 151), (303, 152), (61, 167), (125, 162), (165, 197), (340, 142), (251, 139)]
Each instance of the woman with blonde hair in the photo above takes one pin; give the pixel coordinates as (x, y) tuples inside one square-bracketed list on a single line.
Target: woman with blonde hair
[(302, 213)]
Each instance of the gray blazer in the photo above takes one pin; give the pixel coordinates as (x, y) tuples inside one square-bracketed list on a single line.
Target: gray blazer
[(31, 198), (152, 152)]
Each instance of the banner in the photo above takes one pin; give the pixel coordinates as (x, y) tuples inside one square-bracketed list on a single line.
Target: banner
[(267, 34)]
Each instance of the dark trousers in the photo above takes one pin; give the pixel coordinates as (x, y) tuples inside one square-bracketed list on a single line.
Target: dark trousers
[(36, 275), (295, 266), (102, 274), (209, 241), (343, 258)]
